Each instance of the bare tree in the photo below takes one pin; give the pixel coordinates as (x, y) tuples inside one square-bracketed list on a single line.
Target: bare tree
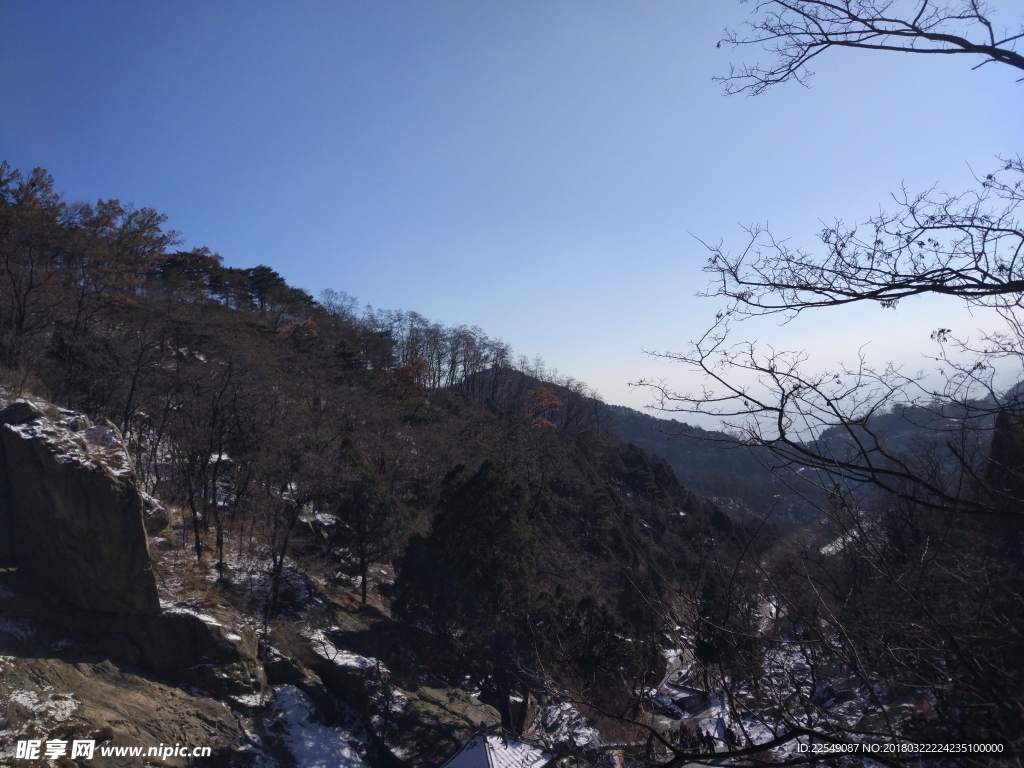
[(796, 32), (969, 246), (896, 617)]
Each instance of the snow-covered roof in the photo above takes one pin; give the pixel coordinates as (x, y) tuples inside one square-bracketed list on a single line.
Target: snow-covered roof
[(492, 750)]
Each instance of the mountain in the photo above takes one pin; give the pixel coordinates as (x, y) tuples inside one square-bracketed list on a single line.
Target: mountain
[(357, 522), (297, 532), (718, 466)]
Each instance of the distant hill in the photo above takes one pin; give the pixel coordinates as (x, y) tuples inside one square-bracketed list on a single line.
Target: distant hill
[(713, 464), (737, 477)]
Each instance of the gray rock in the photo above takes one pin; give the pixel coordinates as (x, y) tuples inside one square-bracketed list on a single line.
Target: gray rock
[(436, 722), (20, 412), (219, 659), (74, 523), (154, 515), (461, 704), (211, 651), (77, 422), (279, 668), (207, 649), (63, 700), (102, 436)]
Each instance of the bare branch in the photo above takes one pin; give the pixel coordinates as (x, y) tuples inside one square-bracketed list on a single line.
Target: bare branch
[(797, 31), (970, 246)]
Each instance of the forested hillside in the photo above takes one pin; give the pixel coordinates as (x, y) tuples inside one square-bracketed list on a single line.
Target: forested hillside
[(367, 490), (742, 479), (292, 436), (244, 525)]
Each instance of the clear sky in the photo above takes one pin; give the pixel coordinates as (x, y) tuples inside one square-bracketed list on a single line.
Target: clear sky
[(538, 168)]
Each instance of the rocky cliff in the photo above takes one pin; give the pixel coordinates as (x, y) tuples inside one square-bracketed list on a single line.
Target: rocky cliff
[(94, 646), (72, 514), (80, 614)]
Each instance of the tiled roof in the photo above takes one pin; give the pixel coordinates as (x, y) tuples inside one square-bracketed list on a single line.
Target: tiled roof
[(491, 750)]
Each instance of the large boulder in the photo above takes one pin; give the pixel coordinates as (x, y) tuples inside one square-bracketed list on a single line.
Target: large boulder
[(279, 669), (208, 648), (21, 412), (71, 514)]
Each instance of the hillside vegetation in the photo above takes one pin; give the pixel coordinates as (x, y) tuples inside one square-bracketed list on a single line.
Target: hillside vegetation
[(367, 490), (291, 436)]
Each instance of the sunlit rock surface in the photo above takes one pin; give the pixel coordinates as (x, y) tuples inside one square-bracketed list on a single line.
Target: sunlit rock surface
[(72, 513)]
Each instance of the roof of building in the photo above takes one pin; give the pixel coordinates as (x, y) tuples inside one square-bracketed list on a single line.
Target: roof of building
[(494, 750)]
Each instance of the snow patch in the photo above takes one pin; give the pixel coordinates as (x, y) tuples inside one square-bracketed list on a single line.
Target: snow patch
[(168, 607), (312, 744), (102, 436), (97, 447), (327, 650), (251, 699), (57, 707), (561, 723)]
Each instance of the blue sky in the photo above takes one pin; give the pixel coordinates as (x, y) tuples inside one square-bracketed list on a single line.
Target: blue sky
[(537, 169)]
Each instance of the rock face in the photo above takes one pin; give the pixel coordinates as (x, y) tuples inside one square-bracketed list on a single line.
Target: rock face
[(210, 650), (435, 722), (460, 704), (51, 698), (75, 674), (71, 514)]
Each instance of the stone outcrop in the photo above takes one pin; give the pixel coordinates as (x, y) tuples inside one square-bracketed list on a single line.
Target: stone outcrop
[(460, 704), (51, 698), (279, 669), (154, 515), (70, 512), (435, 722), (72, 517), (75, 674), (208, 649)]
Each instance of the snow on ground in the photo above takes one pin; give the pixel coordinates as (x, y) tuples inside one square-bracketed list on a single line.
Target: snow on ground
[(326, 649), (561, 723), (252, 564), (33, 715), (102, 436), (786, 666), (169, 607), (57, 707), (99, 447), (398, 702), (839, 544), (252, 700), (325, 519), (313, 744), (851, 537)]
